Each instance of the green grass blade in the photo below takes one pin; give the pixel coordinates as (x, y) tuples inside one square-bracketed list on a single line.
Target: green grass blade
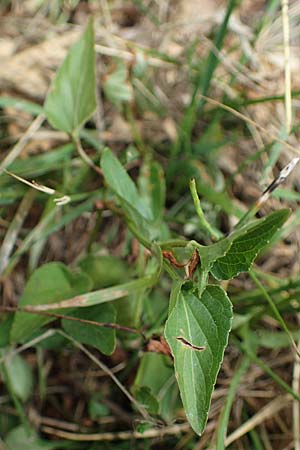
[(224, 418)]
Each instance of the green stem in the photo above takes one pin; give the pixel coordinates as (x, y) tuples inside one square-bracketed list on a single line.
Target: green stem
[(89, 162), (173, 243), (206, 227)]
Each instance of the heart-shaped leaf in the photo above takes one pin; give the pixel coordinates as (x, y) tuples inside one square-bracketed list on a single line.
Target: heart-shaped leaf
[(197, 333)]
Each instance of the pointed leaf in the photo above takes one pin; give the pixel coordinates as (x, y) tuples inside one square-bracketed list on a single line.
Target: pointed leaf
[(246, 244), (120, 182), (195, 323), (71, 100)]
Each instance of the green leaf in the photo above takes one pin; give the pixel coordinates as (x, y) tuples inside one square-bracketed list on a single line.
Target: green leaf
[(246, 244), (5, 326), (275, 339), (71, 100), (175, 293), (104, 339), (120, 182), (20, 104), (145, 398), (210, 253), (116, 86), (203, 322), (137, 212), (105, 271), (48, 284), (19, 376), (20, 439), (156, 374), (153, 188)]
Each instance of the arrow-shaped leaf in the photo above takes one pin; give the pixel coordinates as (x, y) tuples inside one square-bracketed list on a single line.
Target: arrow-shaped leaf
[(72, 98), (246, 244), (197, 333)]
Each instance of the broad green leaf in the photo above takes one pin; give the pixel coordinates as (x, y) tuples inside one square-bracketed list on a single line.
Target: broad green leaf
[(210, 253), (246, 244), (116, 86), (156, 373), (71, 100), (53, 342), (18, 374), (19, 439), (5, 326), (175, 293), (104, 271), (145, 398), (120, 182), (198, 322), (104, 339), (48, 284)]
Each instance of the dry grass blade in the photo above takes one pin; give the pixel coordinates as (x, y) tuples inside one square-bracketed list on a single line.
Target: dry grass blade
[(118, 436), (287, 67), (17, 149), (250, 121), (296, 405), (102, 366), (14, 229), (265, 413)]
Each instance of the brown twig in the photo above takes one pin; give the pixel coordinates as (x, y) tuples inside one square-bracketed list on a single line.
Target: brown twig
[(28, 309)]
